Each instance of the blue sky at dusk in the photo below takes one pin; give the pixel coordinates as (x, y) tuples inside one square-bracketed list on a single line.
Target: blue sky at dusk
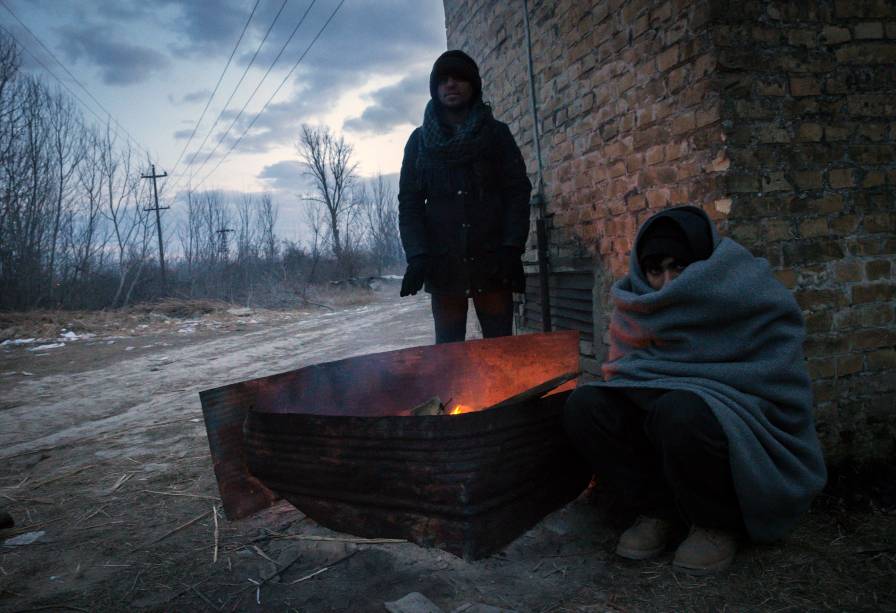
[(154, 65)]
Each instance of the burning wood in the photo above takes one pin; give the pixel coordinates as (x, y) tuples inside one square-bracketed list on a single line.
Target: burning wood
[(435, 406)]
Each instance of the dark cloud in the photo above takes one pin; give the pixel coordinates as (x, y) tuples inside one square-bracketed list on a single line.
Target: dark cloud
[(286, 175), (395, 105), (183, 134), (210, 28), (120, 63), (364, 39), (190, 97)]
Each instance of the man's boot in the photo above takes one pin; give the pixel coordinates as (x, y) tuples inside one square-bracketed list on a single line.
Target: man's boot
[(706, 551), (647, 538)]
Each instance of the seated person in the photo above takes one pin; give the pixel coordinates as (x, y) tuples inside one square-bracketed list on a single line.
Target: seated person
[(705, 412)]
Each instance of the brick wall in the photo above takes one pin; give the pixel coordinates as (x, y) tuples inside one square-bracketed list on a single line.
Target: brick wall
[(778, 118), (810, 119)]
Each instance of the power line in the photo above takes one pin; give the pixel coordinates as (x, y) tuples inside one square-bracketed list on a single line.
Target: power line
[(217, 85), (282, 83), (255, 91), (224, 108), (69, 73)]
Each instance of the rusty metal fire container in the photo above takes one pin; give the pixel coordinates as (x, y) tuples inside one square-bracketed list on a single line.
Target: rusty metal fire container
[(339, 442)]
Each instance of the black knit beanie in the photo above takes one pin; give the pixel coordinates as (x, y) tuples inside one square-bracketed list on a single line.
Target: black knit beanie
[(682, 233), (457, 64)]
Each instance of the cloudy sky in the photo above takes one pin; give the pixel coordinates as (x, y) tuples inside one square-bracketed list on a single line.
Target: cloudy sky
[(154, 65)]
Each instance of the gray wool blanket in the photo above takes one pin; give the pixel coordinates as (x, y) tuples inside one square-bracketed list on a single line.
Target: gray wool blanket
[(728, 331)]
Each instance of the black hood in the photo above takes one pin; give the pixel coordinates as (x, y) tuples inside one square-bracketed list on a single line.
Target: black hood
[(683, 232), (458, 64)]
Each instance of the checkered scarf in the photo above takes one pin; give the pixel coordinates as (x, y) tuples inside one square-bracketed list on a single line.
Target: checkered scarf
[(442, 147)]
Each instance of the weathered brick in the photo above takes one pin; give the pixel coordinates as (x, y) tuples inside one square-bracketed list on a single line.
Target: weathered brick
[(810, 132), (809, 179), (775, 182), (821, 368), (810, 251), (880, 222), (813, 299), (884, 359), (864, 316), (770, 88), (873, 131), (874, 178), (849, 364), (871, 339), (772, 134), (684, 123), (804, 86), (830, 344), (667, 59), (839, 178), (743, 183), (834, 35), (844, 224), (867, 53), (878, 269), (787, 277), (655, 155), (874, 292), (869, 29), (848, 271), (657, 198), (818, 322), (832, 133)]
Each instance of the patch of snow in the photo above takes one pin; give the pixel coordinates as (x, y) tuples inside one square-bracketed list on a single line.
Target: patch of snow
[(23, 539), (128, 348), (18, 341), (50, 346), (73, 336)]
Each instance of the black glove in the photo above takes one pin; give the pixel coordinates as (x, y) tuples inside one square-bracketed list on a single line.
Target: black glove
[(414, 275), (512, 275)]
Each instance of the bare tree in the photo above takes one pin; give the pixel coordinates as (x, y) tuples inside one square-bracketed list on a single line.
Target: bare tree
[(266, 221), (380, 207), (67, 149), (124, 209), (328, 162)]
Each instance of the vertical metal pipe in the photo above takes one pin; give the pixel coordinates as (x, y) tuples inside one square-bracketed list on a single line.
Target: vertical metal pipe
[(541, 234), (536, 135)]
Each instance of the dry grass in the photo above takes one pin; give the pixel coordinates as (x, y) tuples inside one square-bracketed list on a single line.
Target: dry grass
[(150, 316)]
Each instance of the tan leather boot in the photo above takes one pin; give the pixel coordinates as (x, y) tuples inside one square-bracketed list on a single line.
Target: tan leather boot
[(706, 551), (647, 538)]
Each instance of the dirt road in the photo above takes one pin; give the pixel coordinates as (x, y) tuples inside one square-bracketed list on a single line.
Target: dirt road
[(104, 461)]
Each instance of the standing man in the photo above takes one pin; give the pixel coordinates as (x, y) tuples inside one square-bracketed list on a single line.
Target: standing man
[(463, 205)]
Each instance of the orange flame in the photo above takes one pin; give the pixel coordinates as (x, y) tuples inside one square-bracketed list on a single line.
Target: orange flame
[(460, 408)]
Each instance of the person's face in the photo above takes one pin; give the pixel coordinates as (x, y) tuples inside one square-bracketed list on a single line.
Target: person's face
[(454, 93), (661, 271)]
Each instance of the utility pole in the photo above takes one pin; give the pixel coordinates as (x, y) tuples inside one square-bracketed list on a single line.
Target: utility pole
[(157, 208), (223, 248)]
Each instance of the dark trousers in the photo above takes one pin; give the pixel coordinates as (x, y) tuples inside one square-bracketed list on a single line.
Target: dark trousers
[(663, 452), (494, 310)]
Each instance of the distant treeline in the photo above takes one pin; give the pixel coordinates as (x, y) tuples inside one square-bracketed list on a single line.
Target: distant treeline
[(75, 231)]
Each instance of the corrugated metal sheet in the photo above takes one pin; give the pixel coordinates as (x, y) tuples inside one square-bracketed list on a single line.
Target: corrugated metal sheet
[(333, 440)]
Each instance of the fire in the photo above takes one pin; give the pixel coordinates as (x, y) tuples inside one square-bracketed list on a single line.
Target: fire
[(460, 408)]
